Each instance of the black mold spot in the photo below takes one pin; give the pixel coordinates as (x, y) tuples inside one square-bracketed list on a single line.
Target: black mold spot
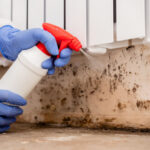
[(100, 99), (82, 91), (63, 101), (121, 106), (36, 118), (77, 122), (115, 76), (82, 110), (143, 105), (68, 108), (128, 91), (110, 119), (109, 66), (90, 81), (92, 92), (74, 71), (66, 119), (134, 90), (47, 106), (104, 72), (41, 100), (70, 65), (61, 73), (130, 47), (97, 119)]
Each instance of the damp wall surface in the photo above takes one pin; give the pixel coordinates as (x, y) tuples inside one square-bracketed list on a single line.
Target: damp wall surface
[(114, 94)]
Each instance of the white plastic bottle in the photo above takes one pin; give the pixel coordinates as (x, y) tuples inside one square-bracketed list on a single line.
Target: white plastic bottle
[(25, 72)]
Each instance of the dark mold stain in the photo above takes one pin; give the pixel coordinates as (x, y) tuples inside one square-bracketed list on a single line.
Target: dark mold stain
[(60, 73), (136, 86), (115, 76), (104, 72), (134, 90), (82, 110), (41, 100), (109, 119), (92, 92), (47, 106), (130, 47), (70, 65), (143, 105), (35, 117), (63, 101), (100, 99), (66, 119), (74, 71), (77, 122), (121, 106)]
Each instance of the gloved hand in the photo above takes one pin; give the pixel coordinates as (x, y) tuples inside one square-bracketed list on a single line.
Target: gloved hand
[(51, 63), (9, 108), (13, 41)]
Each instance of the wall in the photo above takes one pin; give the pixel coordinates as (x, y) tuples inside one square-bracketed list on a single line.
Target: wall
[(114, 91)]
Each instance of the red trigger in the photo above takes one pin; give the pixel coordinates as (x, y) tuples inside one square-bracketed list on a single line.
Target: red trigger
[(64, 44), (64, 39)]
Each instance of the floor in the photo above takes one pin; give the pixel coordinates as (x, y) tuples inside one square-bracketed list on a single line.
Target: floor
[(41, 137)]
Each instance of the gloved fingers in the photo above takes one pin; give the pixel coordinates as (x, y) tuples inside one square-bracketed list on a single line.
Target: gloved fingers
[(12, 98), (6, 121), (4, 128), (6, 28), (67, 52), (48, 64), (51, 71), (10, 111), (48, 40), (61, 62)]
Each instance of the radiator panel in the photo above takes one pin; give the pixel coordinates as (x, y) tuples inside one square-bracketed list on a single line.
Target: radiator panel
[(130, 19), (55, 12), (35, 13), (19, 15), (100, 22), (5, 9)]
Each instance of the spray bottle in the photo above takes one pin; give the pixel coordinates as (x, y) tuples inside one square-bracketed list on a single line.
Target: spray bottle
[(26, 72)]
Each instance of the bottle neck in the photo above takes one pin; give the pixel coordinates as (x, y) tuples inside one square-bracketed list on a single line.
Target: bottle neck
[(42, 48)]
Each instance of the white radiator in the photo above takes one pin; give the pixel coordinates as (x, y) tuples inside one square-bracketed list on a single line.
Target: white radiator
[(94, 22)]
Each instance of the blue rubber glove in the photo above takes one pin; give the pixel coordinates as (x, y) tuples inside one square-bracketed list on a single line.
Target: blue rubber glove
[(51, 63), (13, 41), (9, 108)]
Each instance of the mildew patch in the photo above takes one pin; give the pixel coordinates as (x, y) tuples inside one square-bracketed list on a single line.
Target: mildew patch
[(80, 90), (121, 106), (109, 119), (77, 122), (143, 105)]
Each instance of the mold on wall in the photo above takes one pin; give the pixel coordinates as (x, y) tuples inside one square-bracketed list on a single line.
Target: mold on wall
[(113, 91)]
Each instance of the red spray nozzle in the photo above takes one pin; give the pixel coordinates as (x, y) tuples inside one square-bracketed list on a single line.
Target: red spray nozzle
[(64, 39)]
